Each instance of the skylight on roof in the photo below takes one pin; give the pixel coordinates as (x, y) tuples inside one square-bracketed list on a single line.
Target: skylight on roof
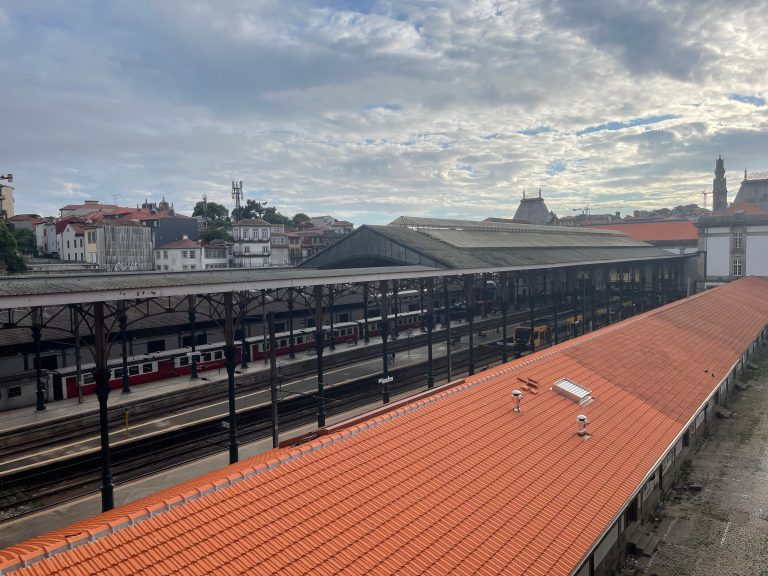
[(572, 391)]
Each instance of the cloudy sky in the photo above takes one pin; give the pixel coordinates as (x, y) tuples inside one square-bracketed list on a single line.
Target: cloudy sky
[(368, 110)]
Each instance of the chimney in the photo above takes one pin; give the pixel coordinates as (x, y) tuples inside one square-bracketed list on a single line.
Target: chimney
[(517, 395)]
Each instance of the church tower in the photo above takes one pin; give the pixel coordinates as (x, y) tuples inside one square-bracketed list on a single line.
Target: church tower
[(719, 190)]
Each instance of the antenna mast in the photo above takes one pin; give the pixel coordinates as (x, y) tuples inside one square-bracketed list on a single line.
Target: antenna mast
[(237, 194), (705, 194)]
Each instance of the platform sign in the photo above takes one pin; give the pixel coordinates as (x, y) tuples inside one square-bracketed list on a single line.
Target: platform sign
[(386, 380), (225, 424)]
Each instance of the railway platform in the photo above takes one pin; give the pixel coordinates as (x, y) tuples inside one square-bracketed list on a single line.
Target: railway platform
[(37, 523)]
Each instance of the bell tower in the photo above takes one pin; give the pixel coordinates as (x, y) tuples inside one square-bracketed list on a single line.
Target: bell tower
[(719, 189)]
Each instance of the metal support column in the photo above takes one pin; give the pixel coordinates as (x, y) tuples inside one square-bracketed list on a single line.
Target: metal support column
[(365, 312), (505, 285), (291, 343), (123, 323), (447, 324), (555, 322), (229, 355), (430, 325), (469, 290), (384, 341), (607, 295), (37, 331), (531, 306), (273, 377), (243, 333), (101, 375), (331, 336), (396, 305), (193, 335), (318, 297), (77, 318)]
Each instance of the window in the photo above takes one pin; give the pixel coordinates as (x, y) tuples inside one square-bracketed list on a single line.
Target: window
[(183, 253), (119, 373), (146, 368), (165, 266), (737, 266), (183, 361), (165, 254), (15, 391), (185, 267), (218, 355), (157, 254), (67, 243), (158, 267), (738, 241), (81, 242), (246, 249), (92, 237), (192, 253), (192, 267), (133, 370), (88, 378), (265, 249)]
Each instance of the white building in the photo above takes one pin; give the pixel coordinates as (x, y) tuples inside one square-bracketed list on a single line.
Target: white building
[(251, 248), (187, 255), (119, 246), (45, 237), (69, 241), (733, 245), (280, 254)]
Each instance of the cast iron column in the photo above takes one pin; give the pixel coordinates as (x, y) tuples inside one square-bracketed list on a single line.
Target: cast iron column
[(78, 358), (365, 312), (37, 330), (123, 321), (430, 326), (396, 305), (318, 295), (331, 336), (193, 335), (504, 311), (273, 376), (229, 355), (607, 296), (384, 340), (244, 355), (447, 324), (469, 290), (101, 375), (291, 345), (531, 304)]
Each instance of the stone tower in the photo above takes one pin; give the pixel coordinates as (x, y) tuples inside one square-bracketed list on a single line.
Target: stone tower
[(719, 190)]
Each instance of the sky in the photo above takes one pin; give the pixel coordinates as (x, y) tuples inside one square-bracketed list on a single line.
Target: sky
[(368, 110)]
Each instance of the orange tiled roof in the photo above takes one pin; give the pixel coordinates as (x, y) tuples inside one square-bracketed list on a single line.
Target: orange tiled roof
[(454, 482), (662, 231), (744, 208)]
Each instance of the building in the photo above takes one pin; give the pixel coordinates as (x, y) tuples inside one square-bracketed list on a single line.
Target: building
[(531, 210), (562, 478), (85, 208), (6, 202), (117, 246), (69, 239), (732, 245), (251, 243), (719, 188), (753, 190), (187, 255), (45, 237), (280, 254), (24, 221)]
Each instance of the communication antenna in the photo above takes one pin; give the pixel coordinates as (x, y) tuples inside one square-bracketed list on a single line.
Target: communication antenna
[(705, 193), (237, 194), (116, 196)]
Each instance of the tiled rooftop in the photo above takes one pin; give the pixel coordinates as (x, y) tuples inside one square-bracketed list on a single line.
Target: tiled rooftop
[(662, 231), (451, 483)]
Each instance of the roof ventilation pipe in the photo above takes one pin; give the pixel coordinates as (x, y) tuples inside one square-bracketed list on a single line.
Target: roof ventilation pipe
[(517, 395), (583, 423)]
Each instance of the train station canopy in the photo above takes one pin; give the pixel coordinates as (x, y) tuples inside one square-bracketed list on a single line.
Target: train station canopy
[(455, 244), (451, 482)]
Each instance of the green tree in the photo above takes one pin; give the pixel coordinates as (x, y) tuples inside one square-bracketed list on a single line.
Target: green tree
[(215, 233), (253, 209), (8, 254), (299, 218), (272, 216), (213, 211), (25, 241)]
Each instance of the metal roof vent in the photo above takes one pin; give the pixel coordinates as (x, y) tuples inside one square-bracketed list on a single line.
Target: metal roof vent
[(517, 396), (572, 391), (583, 423)]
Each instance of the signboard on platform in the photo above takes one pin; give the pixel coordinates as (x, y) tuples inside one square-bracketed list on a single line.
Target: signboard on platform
[(386, 380)]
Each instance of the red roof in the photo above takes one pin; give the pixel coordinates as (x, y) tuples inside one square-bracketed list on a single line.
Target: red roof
[(185, 243), (452, 482), (662, 231), (744, 208)]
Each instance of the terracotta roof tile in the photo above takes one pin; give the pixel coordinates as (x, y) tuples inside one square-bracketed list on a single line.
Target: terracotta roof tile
[(662, 231), (454, 482)]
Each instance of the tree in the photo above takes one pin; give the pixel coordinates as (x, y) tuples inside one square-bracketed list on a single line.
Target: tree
[(253, 209), (13, 262), (213, 211), (25, 240), (299, 218), (215, 233), (272, 216)]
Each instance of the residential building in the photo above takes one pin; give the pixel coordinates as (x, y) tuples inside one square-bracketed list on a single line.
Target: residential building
[(45, 237), (85, 208), (318, 233), (24, 221), (6, 201), (251, 243), (279, 251), (732, 245), (187, 255), (118, 246), (754, 190), (69, 240)]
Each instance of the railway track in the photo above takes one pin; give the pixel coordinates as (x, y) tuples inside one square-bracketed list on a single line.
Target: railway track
[(51, 485)]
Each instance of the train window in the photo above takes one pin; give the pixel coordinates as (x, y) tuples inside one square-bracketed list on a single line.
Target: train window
[(146, 368), (183, 361), (133, 370), (283, 343), (15, 391), (218, 355), (88, 378), (207, 357), (299, 340), (119, 373)]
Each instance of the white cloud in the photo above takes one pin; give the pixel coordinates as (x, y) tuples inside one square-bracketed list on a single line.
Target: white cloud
[(372, 109)]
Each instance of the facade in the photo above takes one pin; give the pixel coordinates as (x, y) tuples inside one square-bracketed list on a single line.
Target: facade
[(532, 210), (118, 246), (732, 246), (70, 241), (187, 255), (251, 243), (45, 237), (279, 250), (6, 201), (719, 188), (24, 221)]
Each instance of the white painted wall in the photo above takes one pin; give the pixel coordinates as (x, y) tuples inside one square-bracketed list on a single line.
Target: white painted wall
[(718, 255), (757, 254)]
